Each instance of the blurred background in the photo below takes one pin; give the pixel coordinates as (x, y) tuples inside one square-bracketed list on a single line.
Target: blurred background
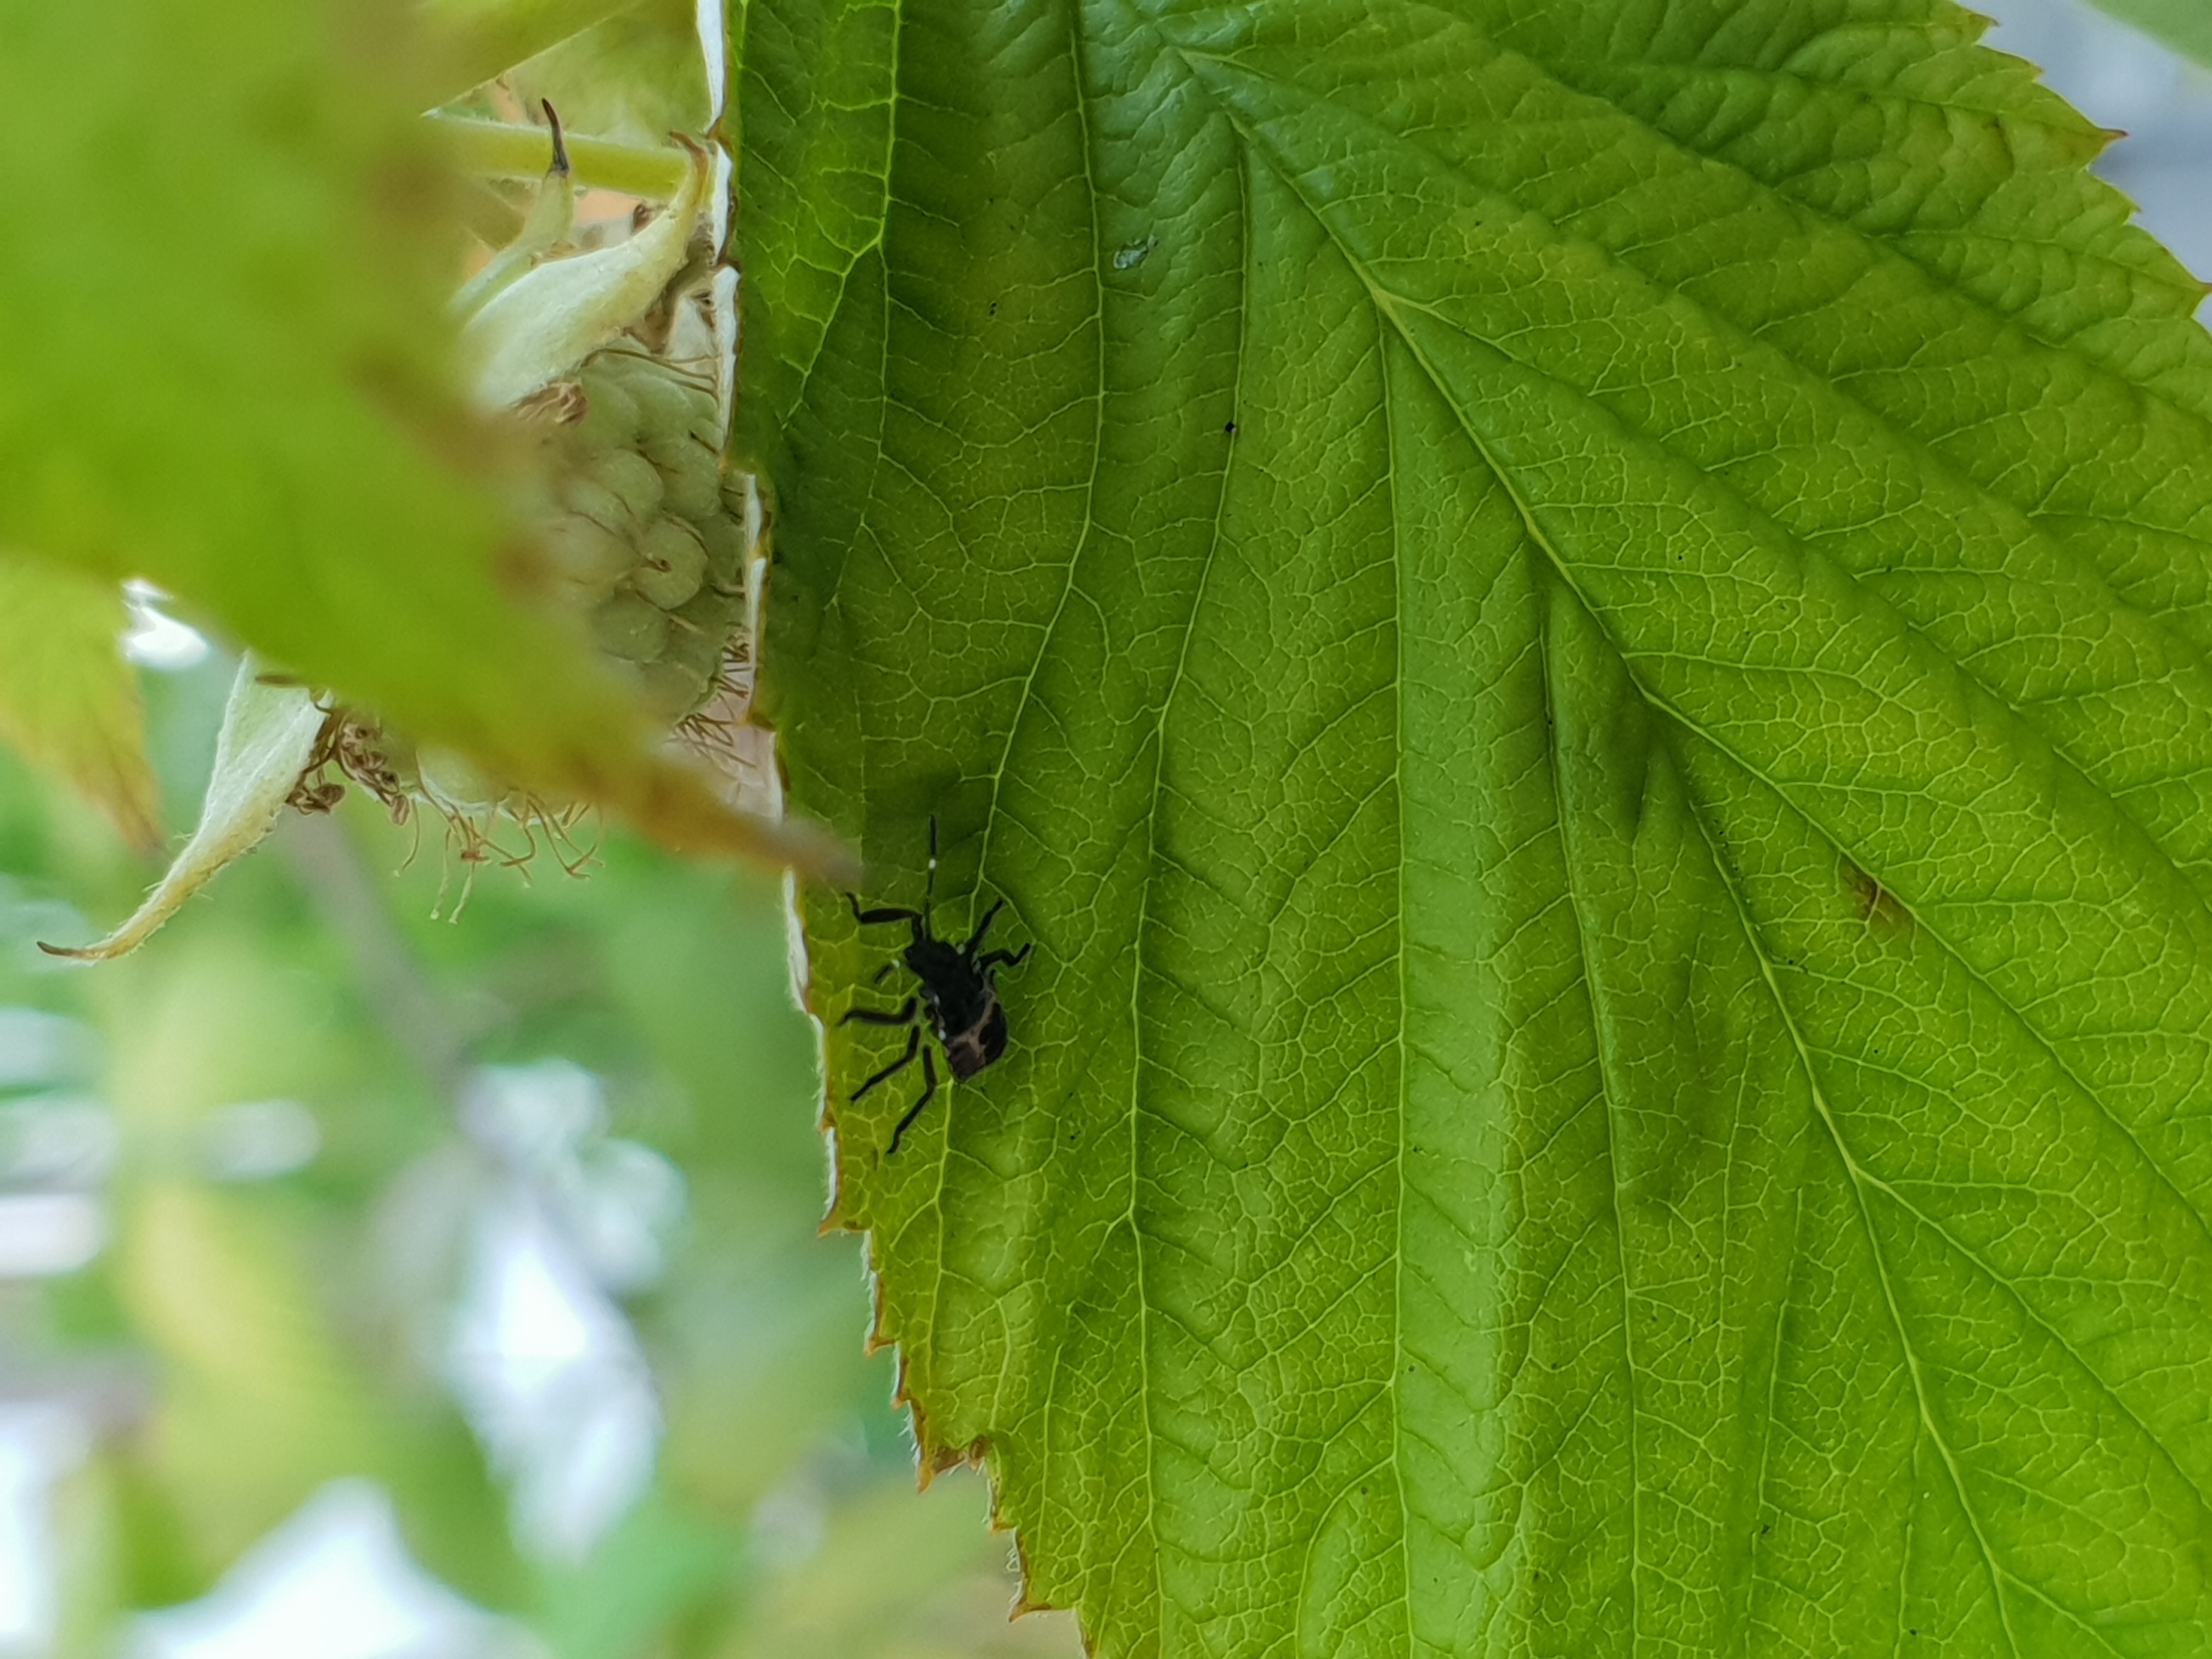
[(392, 1270), (399, 1266), (2119, 78)]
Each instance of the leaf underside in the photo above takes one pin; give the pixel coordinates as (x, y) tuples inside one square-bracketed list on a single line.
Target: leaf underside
[(1581, 632)]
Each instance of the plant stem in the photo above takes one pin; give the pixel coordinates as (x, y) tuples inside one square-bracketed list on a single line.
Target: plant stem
[(504, 149)]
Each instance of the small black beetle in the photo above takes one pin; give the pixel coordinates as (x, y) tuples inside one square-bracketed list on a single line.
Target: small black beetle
[(958, 993)]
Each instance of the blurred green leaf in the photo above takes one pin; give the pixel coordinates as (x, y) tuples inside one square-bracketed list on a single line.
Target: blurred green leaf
[(650, 1569), (273, 1349), (257, 1409), (158, 1561), (260, 1405), (635, 78), (898, 1576), (2184, 25), (483, 37), (1580, 635), (69, 700), (224, 365)]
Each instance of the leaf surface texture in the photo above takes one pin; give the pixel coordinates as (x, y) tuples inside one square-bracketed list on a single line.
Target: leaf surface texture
[(1580, 632)]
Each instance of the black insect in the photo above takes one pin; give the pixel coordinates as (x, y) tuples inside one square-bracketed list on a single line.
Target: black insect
[(958, 995)]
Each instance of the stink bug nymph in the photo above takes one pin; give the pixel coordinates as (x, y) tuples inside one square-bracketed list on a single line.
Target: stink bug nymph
[(959, 996)]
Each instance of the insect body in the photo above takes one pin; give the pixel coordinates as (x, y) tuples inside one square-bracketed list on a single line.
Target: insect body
[(959, 996)]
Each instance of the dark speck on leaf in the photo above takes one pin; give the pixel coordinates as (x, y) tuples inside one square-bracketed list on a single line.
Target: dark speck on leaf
[(1877, 905), (1230, 428)]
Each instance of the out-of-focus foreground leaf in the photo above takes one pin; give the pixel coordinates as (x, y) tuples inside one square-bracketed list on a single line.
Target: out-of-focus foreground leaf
[(2182, 24), (481, 37), (634, 77), (1581, 633), (224, 366), (68, 699)]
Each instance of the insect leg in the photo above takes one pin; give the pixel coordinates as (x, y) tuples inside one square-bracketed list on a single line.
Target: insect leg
[(928, 1088), (904, 1015), (912, 1048), (983, 926), (868, 918), (1005, 958)]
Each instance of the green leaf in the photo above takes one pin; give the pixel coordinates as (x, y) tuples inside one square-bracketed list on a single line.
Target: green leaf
[(635, 77), (2182, 24), (224, 365), (655, 1563), (261, 1403), (68, 699), (484, 37), (268, 737), (1580, 634)]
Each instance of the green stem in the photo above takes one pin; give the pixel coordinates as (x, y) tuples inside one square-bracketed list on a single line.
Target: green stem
[(502, 149)]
